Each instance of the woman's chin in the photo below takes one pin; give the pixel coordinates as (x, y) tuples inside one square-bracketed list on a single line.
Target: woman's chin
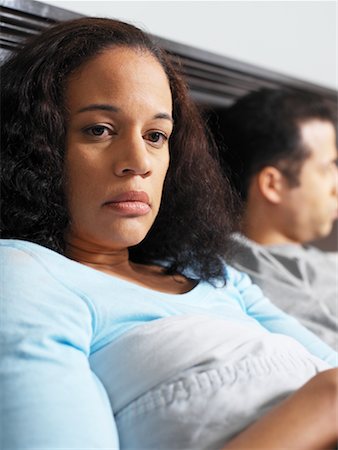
[(129, 240), (105, 241)]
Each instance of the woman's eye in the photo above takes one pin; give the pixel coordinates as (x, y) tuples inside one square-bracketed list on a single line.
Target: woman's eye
[(98, 131), (156, 137)]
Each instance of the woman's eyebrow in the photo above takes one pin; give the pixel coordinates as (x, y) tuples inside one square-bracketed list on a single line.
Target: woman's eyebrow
[(164, 116), (112, 108), (99, 106)]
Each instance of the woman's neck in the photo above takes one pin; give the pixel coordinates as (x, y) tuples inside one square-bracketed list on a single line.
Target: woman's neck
[(117, 263), (97, 257)]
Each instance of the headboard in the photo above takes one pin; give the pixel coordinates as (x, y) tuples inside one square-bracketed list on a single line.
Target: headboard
[(214, 81)]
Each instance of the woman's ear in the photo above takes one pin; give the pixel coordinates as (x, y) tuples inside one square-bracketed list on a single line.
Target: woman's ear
[(270, 184)]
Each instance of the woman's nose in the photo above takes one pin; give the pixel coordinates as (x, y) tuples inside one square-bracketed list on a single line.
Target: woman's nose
[(132, 157)]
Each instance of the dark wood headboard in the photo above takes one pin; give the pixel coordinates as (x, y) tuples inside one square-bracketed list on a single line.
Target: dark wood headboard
[(215, 81)]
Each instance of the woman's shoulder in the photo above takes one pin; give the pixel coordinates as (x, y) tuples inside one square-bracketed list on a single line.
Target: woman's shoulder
[(20, 258), (236, 278), (26, 264), (34, 291), (19, 252), (27, 257)]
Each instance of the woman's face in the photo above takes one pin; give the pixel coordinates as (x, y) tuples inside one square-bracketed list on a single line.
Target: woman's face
[(117, 153)]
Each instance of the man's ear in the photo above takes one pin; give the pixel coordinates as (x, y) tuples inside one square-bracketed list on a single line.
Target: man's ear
[(270, 184)]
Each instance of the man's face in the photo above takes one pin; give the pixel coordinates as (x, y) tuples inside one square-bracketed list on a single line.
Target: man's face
[(310, 208)]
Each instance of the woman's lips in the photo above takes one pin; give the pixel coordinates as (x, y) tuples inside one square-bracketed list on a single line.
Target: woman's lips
[(132, 203)]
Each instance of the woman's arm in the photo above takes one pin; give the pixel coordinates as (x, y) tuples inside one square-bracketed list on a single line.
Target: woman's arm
[(49, 397), (307, 420), (275, 320)]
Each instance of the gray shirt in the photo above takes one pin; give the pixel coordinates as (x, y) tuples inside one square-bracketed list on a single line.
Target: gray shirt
[(301, 280)]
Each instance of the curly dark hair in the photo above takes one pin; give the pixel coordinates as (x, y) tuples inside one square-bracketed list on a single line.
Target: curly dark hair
[(198, 208), (263, 128)]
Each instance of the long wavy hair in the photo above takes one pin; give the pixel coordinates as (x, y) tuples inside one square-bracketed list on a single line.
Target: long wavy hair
[(195, 218)]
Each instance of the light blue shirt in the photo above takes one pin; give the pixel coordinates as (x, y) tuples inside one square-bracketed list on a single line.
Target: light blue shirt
[(55, 312)]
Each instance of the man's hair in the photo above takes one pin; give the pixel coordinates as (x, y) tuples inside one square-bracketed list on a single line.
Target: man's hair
[(195, 217), (262, 129)]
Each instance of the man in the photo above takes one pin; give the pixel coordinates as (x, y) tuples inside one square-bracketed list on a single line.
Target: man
[(281, 156)]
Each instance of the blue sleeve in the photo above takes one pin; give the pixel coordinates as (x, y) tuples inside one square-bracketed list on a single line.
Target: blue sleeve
[(49, 397), (275, 320)]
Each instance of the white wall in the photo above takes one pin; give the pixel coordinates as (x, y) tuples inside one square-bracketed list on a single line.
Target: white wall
[(297, 38)]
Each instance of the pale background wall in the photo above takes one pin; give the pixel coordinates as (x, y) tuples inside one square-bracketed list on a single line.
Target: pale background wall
[(297, 38)]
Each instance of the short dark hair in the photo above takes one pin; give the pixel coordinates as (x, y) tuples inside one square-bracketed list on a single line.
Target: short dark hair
[(262, 128), (196, 213)]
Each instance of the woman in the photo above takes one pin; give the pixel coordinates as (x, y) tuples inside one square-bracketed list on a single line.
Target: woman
[(120, 319)]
